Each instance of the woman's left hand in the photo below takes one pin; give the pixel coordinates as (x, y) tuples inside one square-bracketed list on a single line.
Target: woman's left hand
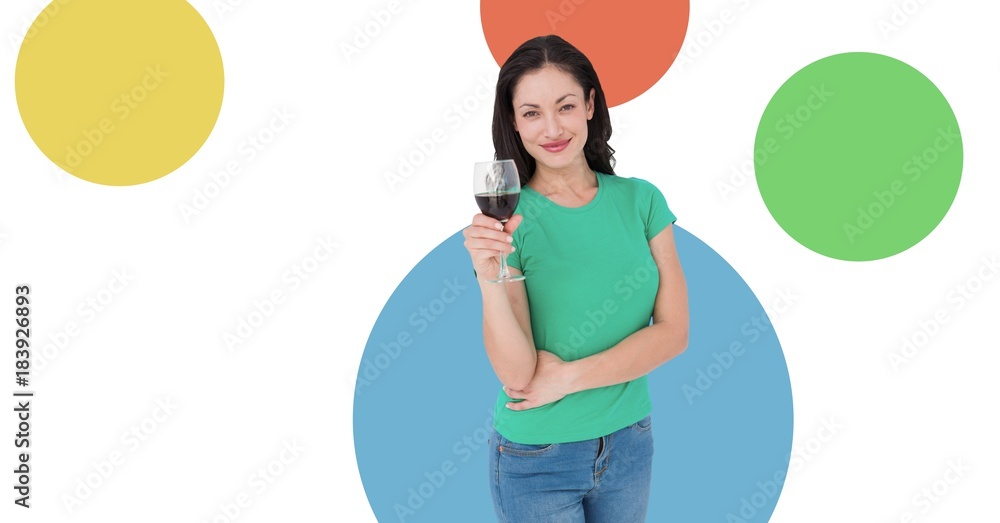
[(550, 383)]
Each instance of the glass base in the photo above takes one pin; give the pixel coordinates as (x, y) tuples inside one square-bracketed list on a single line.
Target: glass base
[(512, 277)]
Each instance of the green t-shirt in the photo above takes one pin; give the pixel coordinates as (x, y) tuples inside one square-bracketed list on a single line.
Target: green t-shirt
[(591, 282)]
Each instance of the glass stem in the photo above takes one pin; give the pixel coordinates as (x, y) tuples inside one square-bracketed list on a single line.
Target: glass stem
[(504, 273)]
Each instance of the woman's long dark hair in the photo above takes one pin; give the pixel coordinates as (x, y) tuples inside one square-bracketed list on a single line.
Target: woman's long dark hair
[(529, 57)]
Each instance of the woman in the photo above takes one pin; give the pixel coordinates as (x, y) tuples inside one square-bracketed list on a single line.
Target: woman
[(572, 343)]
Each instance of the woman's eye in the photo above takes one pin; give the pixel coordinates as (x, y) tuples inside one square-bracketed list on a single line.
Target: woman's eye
[(567, 107), (529, 114)]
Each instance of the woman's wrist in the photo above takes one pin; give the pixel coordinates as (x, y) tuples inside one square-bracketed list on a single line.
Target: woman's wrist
[(573, 372)]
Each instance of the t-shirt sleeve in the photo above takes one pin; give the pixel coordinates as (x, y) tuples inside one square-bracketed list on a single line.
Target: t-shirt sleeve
[(659, 215)]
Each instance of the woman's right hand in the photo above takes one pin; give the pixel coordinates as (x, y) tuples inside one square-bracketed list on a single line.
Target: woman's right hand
[(486, 239)]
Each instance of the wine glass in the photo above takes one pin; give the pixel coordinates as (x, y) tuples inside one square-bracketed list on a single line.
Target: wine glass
[(497, 188)]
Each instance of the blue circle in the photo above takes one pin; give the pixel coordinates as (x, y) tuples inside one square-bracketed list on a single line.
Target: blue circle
[(425, 393)]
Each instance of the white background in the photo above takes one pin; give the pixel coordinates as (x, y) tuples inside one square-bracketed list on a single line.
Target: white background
[(161, 337)]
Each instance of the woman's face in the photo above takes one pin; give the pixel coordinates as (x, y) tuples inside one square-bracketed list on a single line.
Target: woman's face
[(551, 114)]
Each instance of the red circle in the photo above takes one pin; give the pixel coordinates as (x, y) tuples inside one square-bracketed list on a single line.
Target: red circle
[(631, 43)]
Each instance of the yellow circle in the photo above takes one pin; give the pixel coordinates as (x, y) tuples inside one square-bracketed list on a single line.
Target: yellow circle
[(119, 92)]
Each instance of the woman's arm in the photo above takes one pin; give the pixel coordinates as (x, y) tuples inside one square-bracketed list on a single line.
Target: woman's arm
[(633, 357), (507, 332), (506, 322), (649, 347)]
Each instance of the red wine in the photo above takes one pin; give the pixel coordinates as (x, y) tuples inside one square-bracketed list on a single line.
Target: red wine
[(498, 205)]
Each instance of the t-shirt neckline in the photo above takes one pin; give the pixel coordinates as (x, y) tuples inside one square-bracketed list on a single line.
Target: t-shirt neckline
[(589, 205)]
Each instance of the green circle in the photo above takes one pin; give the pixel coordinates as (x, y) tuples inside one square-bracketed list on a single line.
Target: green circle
[(858, 156)]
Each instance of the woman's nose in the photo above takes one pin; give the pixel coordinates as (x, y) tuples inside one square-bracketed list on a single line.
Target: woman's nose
[(552, 126)]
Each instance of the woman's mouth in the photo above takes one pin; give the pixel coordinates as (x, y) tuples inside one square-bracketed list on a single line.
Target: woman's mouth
[(554, 147)]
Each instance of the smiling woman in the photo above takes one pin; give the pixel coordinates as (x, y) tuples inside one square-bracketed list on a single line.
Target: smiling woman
[(563, 80), (572, 433)]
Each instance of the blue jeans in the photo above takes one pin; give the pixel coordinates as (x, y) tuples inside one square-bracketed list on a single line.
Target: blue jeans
[(602, 480)]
